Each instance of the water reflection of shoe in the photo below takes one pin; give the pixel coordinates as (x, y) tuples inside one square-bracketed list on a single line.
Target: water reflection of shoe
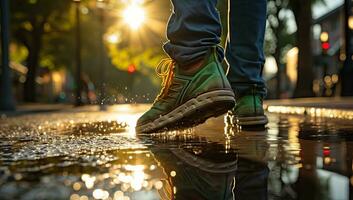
[(201, 169), (187, 100), (207, 176), (248, 111)]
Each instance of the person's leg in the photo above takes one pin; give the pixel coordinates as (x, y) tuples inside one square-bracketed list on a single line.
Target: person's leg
[(244, 53), (193, 28), (194, 86)]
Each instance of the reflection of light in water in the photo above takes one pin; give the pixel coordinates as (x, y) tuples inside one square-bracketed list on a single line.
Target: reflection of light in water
[(76, 186), (124, 178), (272, 135), (84, 197), (134, 167), (137, 180), (315, 112), (124, 187), (137, 176), (152, 167), (89, 180), (18, 177), (78, 197), (118, 195), (101, 151), (74, 197), (293, 145), (336, 184), (130, 120), (172, 173), (158, 185), (227, 145), (100, 194), (145, 184)]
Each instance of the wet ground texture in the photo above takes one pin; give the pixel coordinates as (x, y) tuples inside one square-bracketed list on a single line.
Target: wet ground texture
[(82, 154)]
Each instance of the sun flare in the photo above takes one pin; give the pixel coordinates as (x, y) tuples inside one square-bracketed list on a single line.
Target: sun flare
[(134, 16)]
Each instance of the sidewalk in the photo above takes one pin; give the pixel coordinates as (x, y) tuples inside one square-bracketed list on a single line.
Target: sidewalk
[(320, 107), (336, 107), (34, 108)]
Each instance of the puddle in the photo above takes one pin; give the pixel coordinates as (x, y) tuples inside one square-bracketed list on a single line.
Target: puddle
[(96, 155)]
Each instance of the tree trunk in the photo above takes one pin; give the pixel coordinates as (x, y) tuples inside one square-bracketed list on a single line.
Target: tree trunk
[(6, 100), (347, 70), (303, 16), (30, 84), (277, 54), (32, 65), (278, 32)]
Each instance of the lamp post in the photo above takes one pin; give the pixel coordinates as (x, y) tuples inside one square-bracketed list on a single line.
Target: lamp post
[(78, 98), (102, 95), (6, 98), (347, 70)]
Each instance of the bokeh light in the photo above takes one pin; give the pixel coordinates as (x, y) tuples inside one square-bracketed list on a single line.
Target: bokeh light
[(324, 37), (113, 38)]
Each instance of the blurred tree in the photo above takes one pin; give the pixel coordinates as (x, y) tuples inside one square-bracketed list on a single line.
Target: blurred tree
[(32, 20), (280, 40), (136, 48), (122, 58), (43, 33), (140, 47), (302, 10)]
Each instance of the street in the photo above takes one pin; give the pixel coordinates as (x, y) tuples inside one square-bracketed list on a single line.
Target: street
[(82, 153)]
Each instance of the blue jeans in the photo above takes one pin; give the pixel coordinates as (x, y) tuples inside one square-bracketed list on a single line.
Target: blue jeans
[(194, 27)]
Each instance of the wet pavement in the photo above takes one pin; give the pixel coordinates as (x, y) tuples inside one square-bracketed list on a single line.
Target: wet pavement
[(82, 154)]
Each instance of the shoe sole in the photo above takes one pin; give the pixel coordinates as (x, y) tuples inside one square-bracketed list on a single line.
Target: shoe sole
[(193, 112), (251, 121)]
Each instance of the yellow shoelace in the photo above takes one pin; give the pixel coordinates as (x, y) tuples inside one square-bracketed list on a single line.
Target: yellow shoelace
[(165, 70)]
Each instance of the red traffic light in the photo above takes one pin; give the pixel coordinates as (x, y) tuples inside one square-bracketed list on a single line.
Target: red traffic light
[(326, 152), (325, 45), (131, 68)]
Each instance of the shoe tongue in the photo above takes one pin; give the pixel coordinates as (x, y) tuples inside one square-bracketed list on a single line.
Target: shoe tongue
[(209, 57)]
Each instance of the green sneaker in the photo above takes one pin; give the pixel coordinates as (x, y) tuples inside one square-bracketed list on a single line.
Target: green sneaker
[(248, 111), (188, 100)]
